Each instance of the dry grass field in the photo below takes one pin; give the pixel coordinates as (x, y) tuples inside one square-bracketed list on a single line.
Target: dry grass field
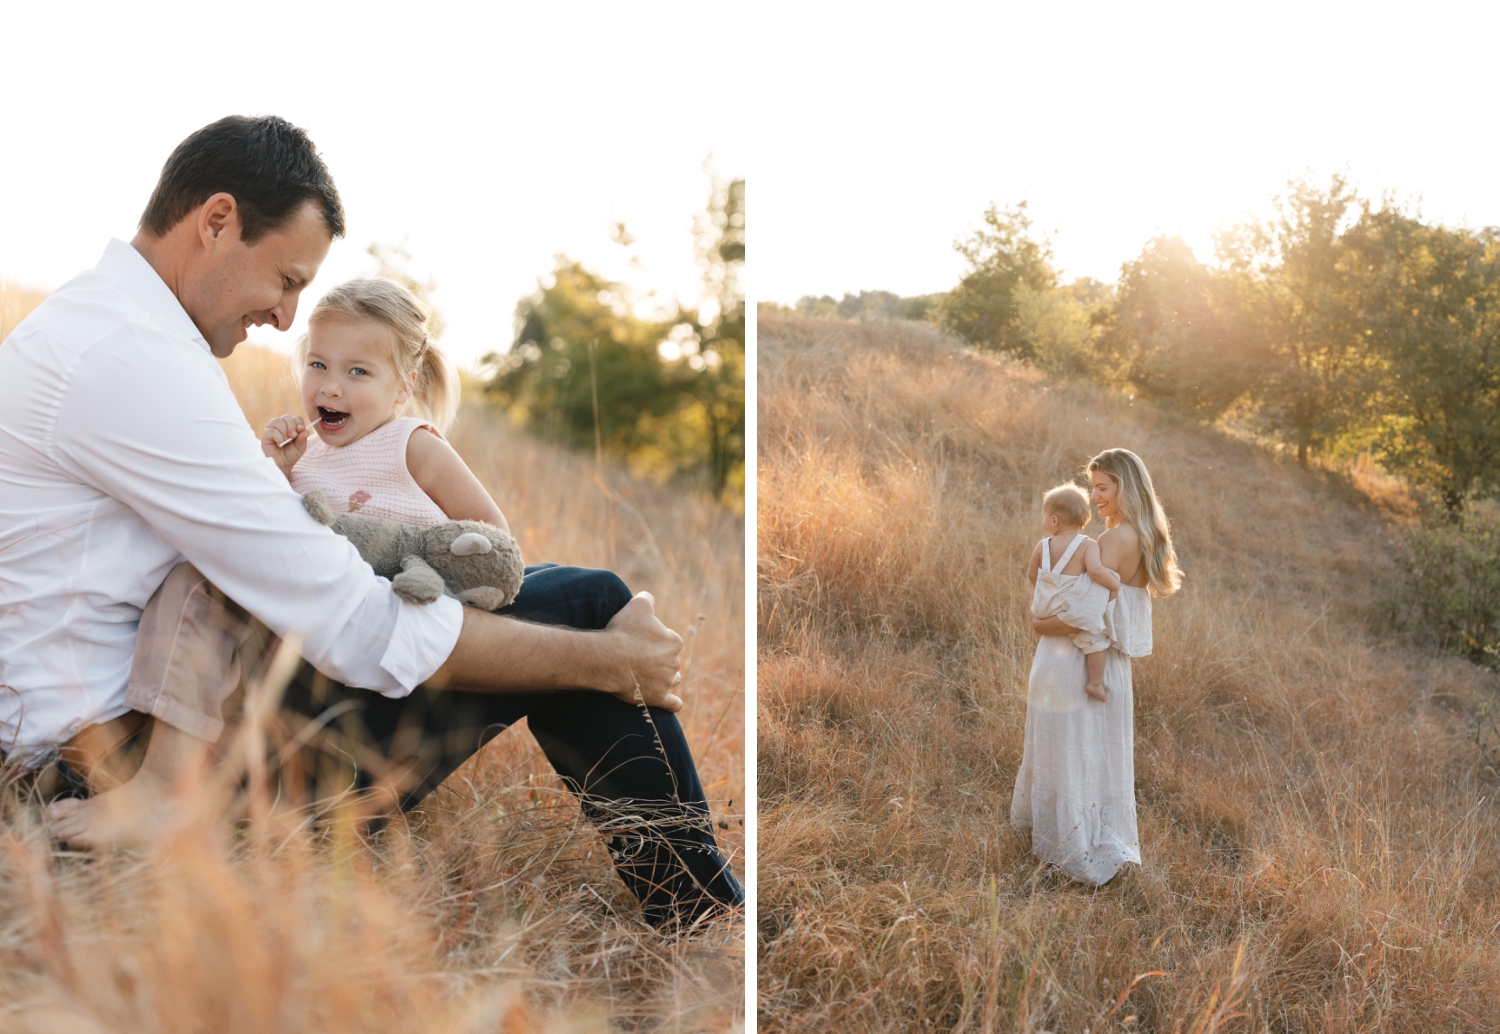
[(495, 908), (1321, 844), (15, 302)]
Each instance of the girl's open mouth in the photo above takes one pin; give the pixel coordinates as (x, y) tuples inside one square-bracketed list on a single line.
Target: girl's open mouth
[(333, 420)]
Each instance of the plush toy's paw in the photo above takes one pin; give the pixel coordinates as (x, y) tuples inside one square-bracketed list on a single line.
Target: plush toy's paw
[(417, 583), (318, 507)]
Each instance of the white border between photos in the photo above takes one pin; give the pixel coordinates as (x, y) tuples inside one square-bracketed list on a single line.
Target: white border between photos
[(751, 645)]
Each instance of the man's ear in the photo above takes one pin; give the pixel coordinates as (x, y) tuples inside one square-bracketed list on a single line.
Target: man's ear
[(218, 220)]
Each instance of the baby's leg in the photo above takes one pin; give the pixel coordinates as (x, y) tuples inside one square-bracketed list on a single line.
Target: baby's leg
[(1094, 687), (187, 663), (187, 654)]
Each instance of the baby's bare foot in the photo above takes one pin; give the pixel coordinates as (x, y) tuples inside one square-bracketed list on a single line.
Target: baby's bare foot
[(134, 813), (1095, 690)]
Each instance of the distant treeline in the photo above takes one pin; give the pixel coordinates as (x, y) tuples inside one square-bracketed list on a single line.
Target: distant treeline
[(1338, 326), (665, 391)]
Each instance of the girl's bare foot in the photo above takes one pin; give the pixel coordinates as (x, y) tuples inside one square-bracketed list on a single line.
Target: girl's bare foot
[(134, 813), (139, 810), (1095, 690)]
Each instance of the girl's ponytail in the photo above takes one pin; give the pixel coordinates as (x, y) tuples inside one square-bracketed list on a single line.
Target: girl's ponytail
[(435, 387)]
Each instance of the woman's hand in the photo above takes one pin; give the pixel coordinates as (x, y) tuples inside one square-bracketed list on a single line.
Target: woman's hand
[(1052, 626), (278, 431)]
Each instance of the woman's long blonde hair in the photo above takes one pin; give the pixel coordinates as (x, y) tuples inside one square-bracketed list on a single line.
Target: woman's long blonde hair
[(1141, 509), (434, 382)]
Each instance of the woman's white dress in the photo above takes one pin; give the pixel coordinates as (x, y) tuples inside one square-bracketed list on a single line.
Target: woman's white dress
[(1075, 791)]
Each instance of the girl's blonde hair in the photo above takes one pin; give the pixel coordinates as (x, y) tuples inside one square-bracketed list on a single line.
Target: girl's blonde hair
[(434, 382), (1141, 509), (1069, 502)]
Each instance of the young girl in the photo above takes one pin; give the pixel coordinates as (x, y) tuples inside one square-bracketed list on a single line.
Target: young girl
[(380, 395), (1078, 587), (371, 379)]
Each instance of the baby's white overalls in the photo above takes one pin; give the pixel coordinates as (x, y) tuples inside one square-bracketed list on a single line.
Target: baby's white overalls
[(1076, 599)]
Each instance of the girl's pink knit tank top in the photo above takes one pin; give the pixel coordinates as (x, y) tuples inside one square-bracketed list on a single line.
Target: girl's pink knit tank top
[(369, 475)]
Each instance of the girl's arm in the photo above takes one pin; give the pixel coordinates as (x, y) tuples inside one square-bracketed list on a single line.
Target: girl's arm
[(440, 472), (1096, 569), (1036, 564)]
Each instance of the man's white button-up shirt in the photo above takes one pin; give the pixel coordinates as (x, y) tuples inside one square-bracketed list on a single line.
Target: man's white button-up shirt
[(123, 452)]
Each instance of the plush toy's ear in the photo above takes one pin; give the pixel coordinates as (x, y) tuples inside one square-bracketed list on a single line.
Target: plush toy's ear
[(470, 543)]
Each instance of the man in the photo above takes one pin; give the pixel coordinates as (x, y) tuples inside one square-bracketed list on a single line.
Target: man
[(126, 473)]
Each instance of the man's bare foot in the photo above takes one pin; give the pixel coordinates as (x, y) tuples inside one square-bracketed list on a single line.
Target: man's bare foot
[(134, 813), (1095, 690)]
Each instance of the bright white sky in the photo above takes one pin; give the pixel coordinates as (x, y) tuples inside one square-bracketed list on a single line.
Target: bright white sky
[(488, 137), (882, 135)]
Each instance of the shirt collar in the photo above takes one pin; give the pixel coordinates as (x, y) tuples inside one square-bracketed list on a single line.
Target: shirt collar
[(129, 268)]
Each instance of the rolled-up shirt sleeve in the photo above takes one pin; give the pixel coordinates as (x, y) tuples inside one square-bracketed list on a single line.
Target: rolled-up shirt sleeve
[(166, 439)]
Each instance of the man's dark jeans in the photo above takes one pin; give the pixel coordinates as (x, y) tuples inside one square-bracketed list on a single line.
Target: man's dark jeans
[(628, 764)]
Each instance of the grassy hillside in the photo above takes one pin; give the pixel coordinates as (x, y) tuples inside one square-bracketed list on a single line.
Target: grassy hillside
[(495, 908), (1319, 838)]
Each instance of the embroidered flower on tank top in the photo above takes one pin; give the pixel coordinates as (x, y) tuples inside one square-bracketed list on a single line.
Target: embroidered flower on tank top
[(358, 499)]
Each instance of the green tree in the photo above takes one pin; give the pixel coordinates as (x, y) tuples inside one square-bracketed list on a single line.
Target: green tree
[(1177, 331), (1296, 277), (717, 378), (665, 393), (1431, 308), (1005, 262), (577, 339)]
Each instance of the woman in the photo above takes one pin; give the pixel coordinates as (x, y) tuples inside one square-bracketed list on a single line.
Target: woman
[(1076, 788)]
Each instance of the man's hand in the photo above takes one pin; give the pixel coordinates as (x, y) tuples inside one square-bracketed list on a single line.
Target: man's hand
[(651, 654), (278, 431)]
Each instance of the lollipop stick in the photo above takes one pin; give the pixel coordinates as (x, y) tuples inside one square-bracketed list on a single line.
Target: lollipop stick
[(293, 438)]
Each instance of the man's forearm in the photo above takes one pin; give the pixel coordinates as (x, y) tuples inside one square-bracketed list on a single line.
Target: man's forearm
[(635, 657), (499, 654)]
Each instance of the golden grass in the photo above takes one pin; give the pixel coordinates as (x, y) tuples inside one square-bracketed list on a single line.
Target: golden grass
[(1319, 841), (15, 302), (493, 908)]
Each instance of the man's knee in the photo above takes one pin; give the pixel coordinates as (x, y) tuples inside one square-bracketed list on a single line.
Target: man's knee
[(579, 597)]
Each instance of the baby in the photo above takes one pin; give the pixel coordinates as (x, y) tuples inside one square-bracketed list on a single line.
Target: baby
[(1077, 588)]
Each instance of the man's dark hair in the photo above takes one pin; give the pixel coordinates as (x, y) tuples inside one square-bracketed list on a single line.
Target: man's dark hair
[(267, 164)]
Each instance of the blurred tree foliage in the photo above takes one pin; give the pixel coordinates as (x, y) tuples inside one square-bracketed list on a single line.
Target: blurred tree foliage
[(1337, 325), (867, 305), (665, 392), (392, 261), (1178, 333)]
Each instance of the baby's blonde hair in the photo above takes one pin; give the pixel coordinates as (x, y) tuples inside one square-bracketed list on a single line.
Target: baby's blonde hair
[(1142, 511), (434, 382), (1069, 502)]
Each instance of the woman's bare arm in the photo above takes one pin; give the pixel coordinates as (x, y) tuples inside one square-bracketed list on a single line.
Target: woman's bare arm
[(1052, 626), (440, 472), (1094, 565)]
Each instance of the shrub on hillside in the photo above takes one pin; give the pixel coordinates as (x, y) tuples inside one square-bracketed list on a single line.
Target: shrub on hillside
[(1452, 571)]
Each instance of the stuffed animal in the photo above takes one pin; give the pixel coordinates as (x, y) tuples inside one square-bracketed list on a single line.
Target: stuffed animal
[(477, 563)]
